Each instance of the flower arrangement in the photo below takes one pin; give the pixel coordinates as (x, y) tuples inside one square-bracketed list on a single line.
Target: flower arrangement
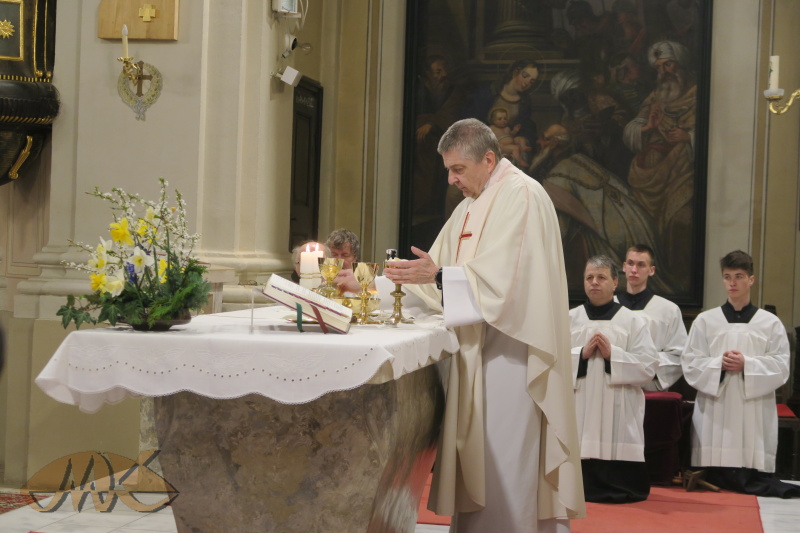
[(144, 274)]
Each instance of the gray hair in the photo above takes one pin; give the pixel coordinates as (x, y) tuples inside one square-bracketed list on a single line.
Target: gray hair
[(603, 261), (338, 238), (472, 138)]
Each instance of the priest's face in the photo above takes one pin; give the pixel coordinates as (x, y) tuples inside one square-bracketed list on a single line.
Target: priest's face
[(638, 269), (345, 253), (598, 284), (469, 176)]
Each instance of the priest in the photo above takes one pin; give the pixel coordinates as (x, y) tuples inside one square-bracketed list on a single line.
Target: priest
[(613, 356), (736, 356), (508, 459), (664, 318)]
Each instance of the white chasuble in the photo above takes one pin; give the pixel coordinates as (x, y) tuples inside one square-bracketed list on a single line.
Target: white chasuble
[(735, 422), (509, 248), (610, 406)]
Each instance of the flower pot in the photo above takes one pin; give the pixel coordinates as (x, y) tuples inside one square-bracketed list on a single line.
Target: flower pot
[(184, 317)]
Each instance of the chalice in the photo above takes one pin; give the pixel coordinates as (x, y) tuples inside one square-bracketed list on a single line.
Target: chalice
[(397, 308), (329, 268), (365, 273)]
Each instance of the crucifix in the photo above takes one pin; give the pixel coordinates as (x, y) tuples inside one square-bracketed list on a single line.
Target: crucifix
[(464, 235), (140, 78)]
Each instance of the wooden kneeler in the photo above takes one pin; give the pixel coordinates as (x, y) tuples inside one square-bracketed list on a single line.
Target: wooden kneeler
[(691, 479)]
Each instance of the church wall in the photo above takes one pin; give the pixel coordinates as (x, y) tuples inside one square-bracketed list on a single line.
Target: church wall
[(779, 278), (734, 96)]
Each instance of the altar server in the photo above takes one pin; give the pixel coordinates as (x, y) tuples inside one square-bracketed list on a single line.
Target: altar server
[(613, 356), (736, 356), (664, 318), (508, 459)]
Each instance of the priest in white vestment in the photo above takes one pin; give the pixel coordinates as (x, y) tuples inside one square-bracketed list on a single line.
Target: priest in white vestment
[(613, 356), (664, 318), (736, 356), (508, 459)]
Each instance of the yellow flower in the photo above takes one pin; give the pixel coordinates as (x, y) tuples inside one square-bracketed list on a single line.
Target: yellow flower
[(142, 229), (150, 214), (120, 232), (99, 258), (98, 282), (162, 270)]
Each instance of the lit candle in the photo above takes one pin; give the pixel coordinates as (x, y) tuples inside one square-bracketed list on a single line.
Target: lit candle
[(125, 40), (318, 253), (774, 63), (308, 261)]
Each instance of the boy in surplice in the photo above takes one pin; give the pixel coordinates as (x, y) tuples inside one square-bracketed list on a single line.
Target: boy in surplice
[(736, 356)]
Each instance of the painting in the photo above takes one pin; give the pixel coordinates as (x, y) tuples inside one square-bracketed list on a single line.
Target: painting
[(603, 102)]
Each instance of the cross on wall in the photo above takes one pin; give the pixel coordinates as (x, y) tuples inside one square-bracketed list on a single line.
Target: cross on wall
[(147, 12)]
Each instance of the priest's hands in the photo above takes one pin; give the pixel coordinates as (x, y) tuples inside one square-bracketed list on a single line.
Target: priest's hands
[(346, 281), (733, 361), (418, 271), (598, 344)]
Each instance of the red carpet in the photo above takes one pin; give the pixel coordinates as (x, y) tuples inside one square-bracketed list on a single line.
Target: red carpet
[(666, 510), (12, 500)]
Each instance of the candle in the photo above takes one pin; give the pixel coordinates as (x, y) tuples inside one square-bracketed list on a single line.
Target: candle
[(774, 63), (125, 40), (318, 253), (308, 261)]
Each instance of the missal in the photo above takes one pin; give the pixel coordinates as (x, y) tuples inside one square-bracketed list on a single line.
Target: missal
[(328, 313)]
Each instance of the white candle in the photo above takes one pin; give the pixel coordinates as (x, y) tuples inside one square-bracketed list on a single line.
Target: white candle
[(318, 253), (125, 40), (774, 64), (308, 261)]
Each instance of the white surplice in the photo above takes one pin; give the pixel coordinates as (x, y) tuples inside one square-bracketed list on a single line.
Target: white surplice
[(610, 407), (509, 456), (735, 422), (668, 331)]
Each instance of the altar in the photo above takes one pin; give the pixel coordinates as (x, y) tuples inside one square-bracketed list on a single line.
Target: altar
[(264, 428)]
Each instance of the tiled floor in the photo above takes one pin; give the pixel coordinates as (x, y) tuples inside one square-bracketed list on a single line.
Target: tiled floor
[(777, 516)]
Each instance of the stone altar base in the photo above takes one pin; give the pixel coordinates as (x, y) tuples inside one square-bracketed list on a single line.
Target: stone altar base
[(351, 461)]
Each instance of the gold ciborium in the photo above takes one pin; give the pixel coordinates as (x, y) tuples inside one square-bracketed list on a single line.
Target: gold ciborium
[(329, 268), (365, 273), (397, 308)]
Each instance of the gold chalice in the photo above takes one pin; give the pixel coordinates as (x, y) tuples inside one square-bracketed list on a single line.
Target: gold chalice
[(397, 308), (329, 268), (365, 273)]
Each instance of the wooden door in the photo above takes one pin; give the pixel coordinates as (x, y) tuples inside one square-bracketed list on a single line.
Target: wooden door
[(306, 132)]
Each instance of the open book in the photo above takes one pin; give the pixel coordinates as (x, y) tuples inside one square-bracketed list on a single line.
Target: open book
[(328, 313)]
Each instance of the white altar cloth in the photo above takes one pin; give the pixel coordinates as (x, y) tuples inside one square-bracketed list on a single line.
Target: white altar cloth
[(222, 356)]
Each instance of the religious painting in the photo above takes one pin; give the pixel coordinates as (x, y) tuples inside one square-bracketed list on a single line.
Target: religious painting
[(603, 102)]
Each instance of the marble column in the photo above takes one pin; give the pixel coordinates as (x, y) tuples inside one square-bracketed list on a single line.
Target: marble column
[(351, 461)]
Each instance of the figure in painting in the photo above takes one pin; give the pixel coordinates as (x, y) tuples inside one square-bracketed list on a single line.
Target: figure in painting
[(597, 212), (510, 143), (662, 172), (438, 104)]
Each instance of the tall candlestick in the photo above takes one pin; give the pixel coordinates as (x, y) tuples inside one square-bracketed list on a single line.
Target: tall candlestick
[(774, 64), (125, 40)]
